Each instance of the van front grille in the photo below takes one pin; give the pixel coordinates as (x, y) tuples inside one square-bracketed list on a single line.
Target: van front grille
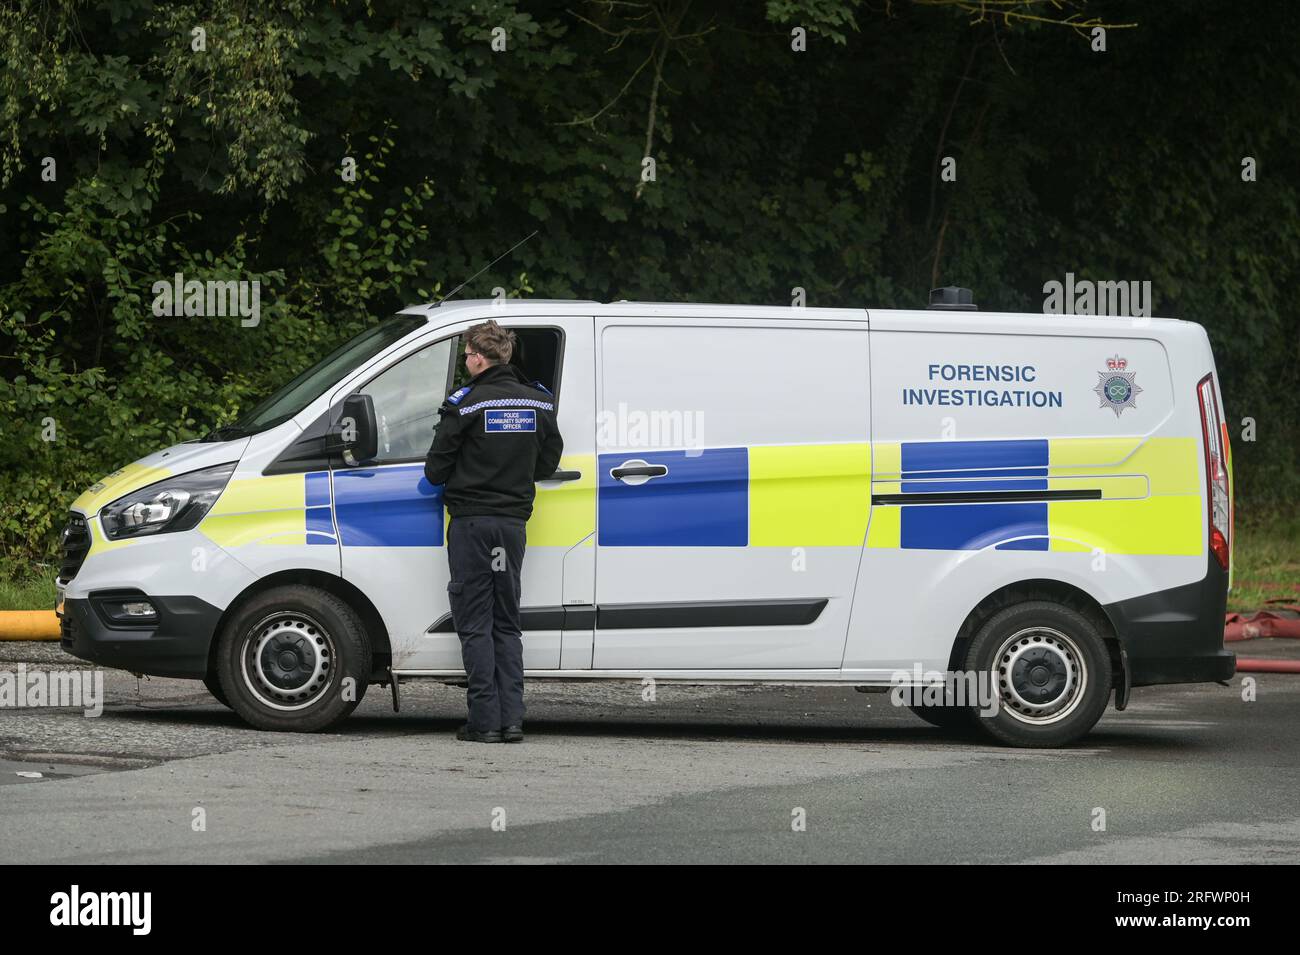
[(76, 543)]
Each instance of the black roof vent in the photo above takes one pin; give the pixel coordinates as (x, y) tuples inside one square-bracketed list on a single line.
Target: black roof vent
[(952, 297)]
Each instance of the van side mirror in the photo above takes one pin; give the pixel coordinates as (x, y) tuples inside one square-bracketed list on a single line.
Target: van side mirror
[(356, 435)]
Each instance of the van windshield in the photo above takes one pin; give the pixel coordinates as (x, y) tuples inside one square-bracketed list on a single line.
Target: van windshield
[(312, 383)]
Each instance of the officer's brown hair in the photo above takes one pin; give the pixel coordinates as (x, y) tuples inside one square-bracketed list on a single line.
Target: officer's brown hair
[(490, 340)]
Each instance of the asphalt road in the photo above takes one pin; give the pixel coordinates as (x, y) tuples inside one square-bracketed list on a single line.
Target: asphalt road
[(702, 774)]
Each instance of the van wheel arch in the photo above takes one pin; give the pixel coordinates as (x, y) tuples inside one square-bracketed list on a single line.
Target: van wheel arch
[(1045, 589), (381, 648)]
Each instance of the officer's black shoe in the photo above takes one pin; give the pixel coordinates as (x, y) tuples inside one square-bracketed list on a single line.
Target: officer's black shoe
[(513, 733), (474, 736)]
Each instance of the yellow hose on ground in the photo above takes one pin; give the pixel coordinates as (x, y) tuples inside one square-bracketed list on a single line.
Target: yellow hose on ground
[(28, 625)]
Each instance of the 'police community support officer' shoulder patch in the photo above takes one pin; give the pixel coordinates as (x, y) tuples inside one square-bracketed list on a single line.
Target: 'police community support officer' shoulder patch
[(455, 397), (509, 421)]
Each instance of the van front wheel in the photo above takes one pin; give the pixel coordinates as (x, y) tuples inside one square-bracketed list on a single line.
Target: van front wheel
[(294, 659), (951, 718), (1050, 673), (213, 683)]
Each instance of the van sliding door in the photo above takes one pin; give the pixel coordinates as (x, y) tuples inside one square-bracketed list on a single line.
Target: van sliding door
[(733, 491)]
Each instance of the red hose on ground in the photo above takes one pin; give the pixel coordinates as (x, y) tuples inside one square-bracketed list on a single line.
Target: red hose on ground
[(1255, 665), (1281, 620)]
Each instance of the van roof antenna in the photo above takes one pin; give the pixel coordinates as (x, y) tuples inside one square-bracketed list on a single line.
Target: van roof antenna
[(488, 266)]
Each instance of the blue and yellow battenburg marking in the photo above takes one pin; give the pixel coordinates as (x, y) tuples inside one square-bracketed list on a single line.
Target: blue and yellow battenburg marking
[(760, 496), (1150, 497), (392, 506), (974, 466), (702, 500), (388, 507), (773, 496), (320, 523), (372, 507), (279, 510)]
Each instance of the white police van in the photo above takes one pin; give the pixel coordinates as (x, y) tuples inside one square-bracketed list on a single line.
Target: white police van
[(748, 495)]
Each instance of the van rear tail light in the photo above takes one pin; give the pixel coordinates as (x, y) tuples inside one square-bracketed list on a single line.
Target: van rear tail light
[(1232, 504), (1218, 488)]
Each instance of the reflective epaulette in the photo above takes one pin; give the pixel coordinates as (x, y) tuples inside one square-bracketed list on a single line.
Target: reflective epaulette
[(541, 387), (456, 396)]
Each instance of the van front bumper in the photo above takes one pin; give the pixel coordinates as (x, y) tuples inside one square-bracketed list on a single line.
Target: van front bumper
[(1176, 635), (175, 645)]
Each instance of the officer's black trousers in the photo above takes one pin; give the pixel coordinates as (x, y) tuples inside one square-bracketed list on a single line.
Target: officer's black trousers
[(485, 555)]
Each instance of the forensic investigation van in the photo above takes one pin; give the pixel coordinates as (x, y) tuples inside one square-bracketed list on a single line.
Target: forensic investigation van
[(802, 496)]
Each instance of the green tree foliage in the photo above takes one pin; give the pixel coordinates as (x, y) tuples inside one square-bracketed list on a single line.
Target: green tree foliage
[(773, 169)]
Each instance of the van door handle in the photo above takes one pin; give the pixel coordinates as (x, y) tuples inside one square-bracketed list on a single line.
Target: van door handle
[(637, 469), (563, 476)]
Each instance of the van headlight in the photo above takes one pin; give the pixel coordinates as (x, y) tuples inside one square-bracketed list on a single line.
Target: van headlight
[(175, 504)]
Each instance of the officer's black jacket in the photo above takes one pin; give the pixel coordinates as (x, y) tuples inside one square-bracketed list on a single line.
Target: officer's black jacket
[(495, 437)]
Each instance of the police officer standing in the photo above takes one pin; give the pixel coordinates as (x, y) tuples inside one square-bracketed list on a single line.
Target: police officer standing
[(495, 437)]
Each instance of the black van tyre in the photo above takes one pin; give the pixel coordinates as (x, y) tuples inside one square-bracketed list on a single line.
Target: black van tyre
[(1051, 670), (213, 683), (951, 718), (946, 716), (284, 655)]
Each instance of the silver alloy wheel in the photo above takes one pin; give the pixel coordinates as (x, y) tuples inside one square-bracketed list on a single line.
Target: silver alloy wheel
[(1040, 674), (286, 661)]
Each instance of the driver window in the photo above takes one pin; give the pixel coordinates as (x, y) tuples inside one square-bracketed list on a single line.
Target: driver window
[(406, 399), (536, 355)]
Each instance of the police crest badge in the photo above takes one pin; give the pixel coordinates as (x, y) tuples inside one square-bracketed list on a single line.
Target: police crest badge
[(1115, 386)]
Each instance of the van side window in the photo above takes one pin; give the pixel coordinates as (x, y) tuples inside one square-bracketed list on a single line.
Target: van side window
[(537, 356), (406, 399)]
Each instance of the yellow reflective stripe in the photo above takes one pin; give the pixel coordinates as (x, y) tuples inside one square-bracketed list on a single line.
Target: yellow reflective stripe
[(809, 495), (1151, 495), (1169, 464), (268, 509), (886, 460), (99, 543), (1131, 486), (886, 529), (275, 492), (1089, 453), (566, 513), (1156, 525), (1174, 465), (285, 528), (122, 481)]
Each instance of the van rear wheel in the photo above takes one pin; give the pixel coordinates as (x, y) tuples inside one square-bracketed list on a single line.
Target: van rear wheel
[(1050, 671), (294, 659)]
